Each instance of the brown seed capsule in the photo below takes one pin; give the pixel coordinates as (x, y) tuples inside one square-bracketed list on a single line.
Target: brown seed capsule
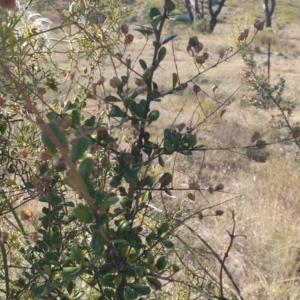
[(191, 196), (196, 88), (26, 214), (198, 47), (219, 187), (64, 122), (259, 24), (210, 189), (128, 39), (222, 53), (3, 237), (219, 212), (183, 86), (193, 41), (45, 155), (105, 162), (139, 82), (101, 80), (200, 60), (200, 215), (142, 89), (115, 82), (241, 37), (205, 55), (24, 153), (124, 28), (246, 32)]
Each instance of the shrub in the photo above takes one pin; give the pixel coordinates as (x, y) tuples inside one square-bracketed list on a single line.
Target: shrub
[(86, 214)]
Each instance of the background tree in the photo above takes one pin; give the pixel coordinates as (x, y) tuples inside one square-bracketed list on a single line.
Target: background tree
[(269, 7), (195, 14)]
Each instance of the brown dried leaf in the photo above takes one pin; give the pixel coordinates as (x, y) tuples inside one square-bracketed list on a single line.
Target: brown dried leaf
[(200, 215), (219, 212), (210, 189), (219, 187), (191, 196), (194, 186), (222, 113), (255, 136), (261, 144), (180, 126), (3, 237)]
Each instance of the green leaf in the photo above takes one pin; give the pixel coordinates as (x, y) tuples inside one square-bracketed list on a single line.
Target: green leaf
[(182, 18), (169, 5), (80, 146), (153, 116), (116, 112), (168, 147), (109, 200), (174, 80), (143, 64), (111, 99), (75, 117), (115, 181), (154, 283), (97, 243), (70, 273), (83, 213), (161, 263), (186, 152), (155, 21), (161, 161), (154, 12), (168, 244), (162, 53), (3, 127), (86, 167), (164, 227), (140, 289), (131, 177), (144, 31), (122, 228), (52, 115), (58, 133), (168, 38), (77, 253)]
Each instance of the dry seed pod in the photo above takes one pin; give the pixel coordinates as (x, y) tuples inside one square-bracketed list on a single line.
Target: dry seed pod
[(142, 89), (200, 216), (3, 237), (45, 155), (183, 86), (200, 59), (295, 132), (241, 37), (222, 53), (259, 24), (261, 144), (128, 39), (196, 88), (193, 41), (24, 153), (115, 82), (180, 126), (139, 82), (210, 189), (105, 162), (194, 186), (124, 28), (255, 136), (101, 80), (26, 214), (188, 48), (128, 63), (219, 212), (9, 4), (198, 47), (246, 32), (191, 196), (205, 55), (214, 88), (219, 187), (223, 111)]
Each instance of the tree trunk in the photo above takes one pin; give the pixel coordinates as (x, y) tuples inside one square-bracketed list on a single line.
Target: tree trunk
[(193, 10), (269, 11), (214, 14)]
